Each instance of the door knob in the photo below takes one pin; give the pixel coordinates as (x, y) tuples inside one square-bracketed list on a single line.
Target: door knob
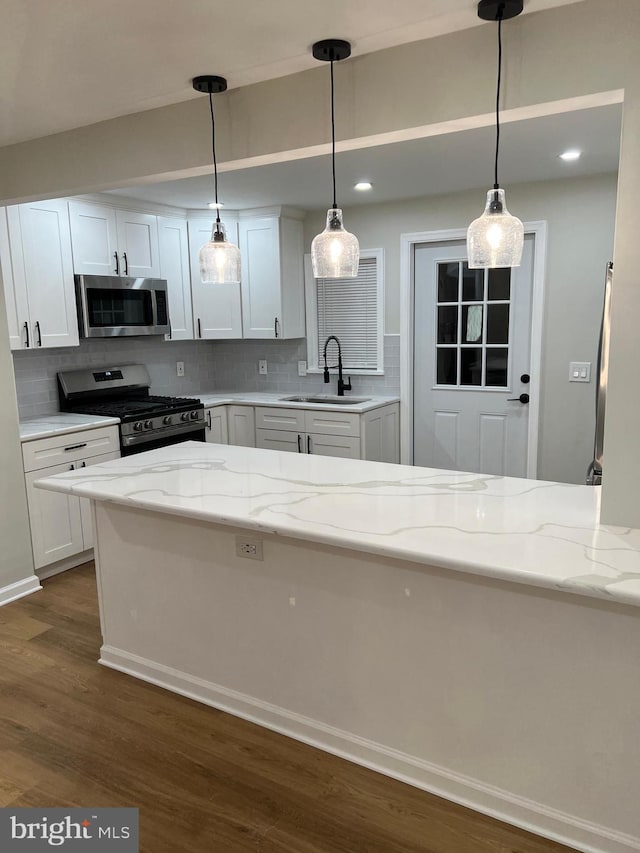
[(523, 398)]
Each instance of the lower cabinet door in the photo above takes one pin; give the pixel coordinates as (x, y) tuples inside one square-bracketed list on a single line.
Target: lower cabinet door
[(281, 439), (55, 518), (85, 503), (216, 422), (348, 447), (241, 425)]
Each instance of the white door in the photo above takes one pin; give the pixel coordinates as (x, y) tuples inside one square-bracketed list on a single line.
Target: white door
[(94, 239), (216, 420), (48, 270), (15, 289), (217, 312), (85, 503), (55, 518), (174, 267), (261, 303), (472, 336), (138, 244)]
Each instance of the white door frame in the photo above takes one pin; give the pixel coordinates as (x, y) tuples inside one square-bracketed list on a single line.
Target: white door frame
[(407, 244)]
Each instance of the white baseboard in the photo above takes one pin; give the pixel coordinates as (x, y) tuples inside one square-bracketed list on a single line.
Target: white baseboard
[(64, 565), (464, 790), (19, 589)]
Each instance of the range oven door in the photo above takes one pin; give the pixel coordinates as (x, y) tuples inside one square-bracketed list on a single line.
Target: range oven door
[(163, 441), (114, 306)]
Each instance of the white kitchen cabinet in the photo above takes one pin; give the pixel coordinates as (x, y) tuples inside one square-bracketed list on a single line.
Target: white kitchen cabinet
[(61, 525), (39, 286), (108, 241), (312, 443), (272, 274), (241, 425), (217, 312), (280, 439), (173, 241), (216, 425), (380, 430)]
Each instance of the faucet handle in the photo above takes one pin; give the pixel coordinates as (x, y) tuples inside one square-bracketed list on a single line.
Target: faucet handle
[(347, 385)]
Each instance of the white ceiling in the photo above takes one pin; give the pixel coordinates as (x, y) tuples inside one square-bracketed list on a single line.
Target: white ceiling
[(440, 164), (69, 63)]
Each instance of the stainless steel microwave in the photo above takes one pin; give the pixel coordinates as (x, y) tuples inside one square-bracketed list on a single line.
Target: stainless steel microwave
[(112, 306)]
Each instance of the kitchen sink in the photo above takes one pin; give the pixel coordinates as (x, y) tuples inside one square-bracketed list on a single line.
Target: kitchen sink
[(327, 399)]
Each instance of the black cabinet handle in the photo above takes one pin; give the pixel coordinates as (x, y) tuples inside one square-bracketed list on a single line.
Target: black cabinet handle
[(39, 333), (209, 418), (84, 464), (117, 269), (199, 328), (26, 329), (523, 398), (72, 467), (76, 446), (126, 263), (299, 443), (275, 326), (309, 448)]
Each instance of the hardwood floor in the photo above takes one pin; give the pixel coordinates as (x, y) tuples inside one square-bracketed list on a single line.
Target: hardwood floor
[(73, 733)]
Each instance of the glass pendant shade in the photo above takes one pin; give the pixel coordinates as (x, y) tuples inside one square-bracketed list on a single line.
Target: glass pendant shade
[(335, 253), (219, 259), (496, 239)]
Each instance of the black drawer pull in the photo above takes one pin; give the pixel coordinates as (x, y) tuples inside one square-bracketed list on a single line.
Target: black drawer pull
[(76, 446)]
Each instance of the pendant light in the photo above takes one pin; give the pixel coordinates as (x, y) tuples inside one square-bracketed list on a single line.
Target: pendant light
[(496, 239), (219, 259), (335, 253)]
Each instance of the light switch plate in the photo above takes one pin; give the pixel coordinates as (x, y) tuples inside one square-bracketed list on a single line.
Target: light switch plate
[(580, 371), (302, 368), (262, 367), (179, 368)]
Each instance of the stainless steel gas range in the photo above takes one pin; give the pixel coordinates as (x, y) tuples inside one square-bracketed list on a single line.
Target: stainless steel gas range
[(146, 421)]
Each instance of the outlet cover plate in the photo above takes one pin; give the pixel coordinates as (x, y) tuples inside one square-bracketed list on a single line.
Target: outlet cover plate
[(249, 548)]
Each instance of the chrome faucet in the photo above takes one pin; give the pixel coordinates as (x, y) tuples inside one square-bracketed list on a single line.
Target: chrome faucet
[(342, 385)]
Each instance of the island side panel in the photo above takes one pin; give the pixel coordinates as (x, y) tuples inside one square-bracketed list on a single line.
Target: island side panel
[(520, 702)]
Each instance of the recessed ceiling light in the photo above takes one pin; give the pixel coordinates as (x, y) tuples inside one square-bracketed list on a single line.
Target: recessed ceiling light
[(573, 154), (216, 205), (363, 185)]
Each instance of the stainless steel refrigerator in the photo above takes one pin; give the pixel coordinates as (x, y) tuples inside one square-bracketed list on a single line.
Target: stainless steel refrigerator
[(594, 473)]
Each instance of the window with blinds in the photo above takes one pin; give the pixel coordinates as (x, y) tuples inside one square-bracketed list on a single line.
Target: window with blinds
[(351, 309)]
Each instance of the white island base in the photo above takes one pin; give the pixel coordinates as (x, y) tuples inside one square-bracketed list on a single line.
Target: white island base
[(520, 702)]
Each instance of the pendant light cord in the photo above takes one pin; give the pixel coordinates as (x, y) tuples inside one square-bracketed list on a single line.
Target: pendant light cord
[(215, 162), (333, 138), (496, 185)]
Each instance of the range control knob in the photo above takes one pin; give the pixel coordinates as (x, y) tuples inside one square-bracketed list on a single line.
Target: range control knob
[(166, 419), (148, 424), (137, 427), (194, 416), (184, 416)]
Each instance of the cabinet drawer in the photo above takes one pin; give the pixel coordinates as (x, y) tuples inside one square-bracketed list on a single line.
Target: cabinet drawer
[(332, 423), (287, 419), (346, 446), (45, 452), (280, 439)]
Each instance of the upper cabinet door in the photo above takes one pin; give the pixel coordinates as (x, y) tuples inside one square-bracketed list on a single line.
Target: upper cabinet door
[(216, 307), (15, 291), (261, 302), (48, 270), (174, 267), (138, 244), (94, 236)]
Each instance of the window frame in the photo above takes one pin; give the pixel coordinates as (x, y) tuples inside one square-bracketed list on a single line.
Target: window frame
[(312, 317)]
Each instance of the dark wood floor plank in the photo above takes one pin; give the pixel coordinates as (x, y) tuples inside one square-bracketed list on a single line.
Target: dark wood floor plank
[(73, 733)]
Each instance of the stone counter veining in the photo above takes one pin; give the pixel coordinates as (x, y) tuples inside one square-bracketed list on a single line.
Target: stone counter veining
[(60, 423), (526, 531)]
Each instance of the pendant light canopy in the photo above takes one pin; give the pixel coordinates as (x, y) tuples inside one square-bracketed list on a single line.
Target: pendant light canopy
[(219, 259), (335, 253), (496, 239)]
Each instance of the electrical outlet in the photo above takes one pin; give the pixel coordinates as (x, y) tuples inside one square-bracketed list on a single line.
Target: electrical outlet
[(262, 367), (179, 368), (251, 549), (302, 368)]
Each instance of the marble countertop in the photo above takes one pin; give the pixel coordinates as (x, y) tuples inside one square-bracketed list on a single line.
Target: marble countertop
[(60, 423), (261, 398), (526, 531)]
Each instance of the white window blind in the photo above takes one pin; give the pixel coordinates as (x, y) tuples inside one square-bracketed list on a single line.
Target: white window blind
[(351, 309)]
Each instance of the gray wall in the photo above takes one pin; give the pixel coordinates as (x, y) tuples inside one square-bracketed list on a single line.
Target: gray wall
[(581, 217)]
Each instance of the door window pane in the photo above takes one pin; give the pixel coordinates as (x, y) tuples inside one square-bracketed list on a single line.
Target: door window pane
[(472, 284), (448, 325), (497, 360), (499, 284), (448, 282), (497, 324), (471, 366), (447, 367), (471, 324)]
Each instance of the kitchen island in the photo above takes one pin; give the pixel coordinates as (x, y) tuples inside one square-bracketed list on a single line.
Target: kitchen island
[(473, 635)]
